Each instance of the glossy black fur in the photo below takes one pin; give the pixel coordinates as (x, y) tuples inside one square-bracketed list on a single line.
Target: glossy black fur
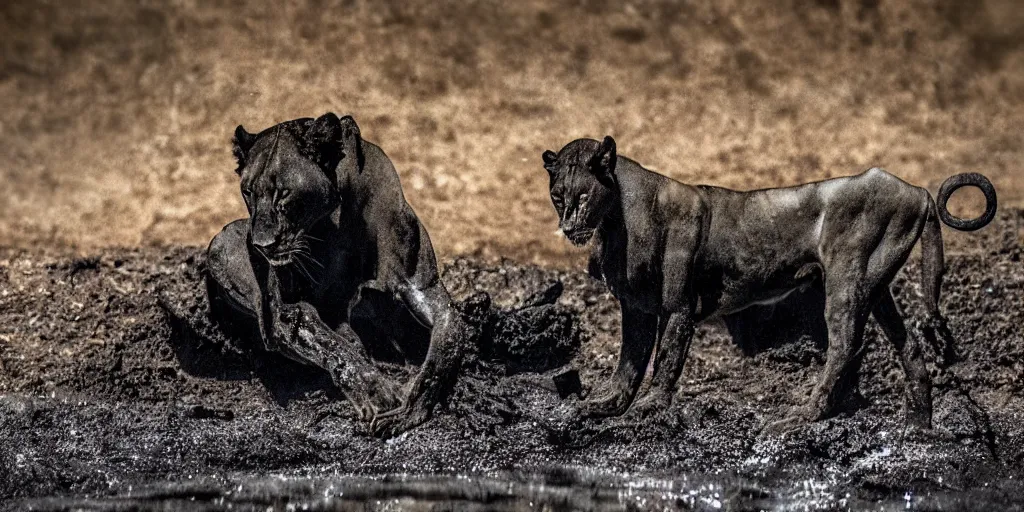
[(675, 255), (328, 224)]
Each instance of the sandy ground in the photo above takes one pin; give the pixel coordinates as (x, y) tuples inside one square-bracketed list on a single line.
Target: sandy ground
[(116, 116)]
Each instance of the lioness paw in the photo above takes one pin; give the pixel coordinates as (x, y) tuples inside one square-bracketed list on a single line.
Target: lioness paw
[(398, 421), (610, 404), (654, 402)]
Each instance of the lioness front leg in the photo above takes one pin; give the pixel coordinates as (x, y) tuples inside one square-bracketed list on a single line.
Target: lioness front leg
[(268, 313), (297, 332), (432, 307), (639, 332), (341, 353), (677, 318), (673, 347)]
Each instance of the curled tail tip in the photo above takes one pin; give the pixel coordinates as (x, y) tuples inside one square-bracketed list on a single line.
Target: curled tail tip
[(967, 179)]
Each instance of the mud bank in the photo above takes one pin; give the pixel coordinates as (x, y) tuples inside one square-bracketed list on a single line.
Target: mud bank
[(115, 392)]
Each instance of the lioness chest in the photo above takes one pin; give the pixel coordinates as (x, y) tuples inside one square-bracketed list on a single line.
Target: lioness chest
[(629, 271)]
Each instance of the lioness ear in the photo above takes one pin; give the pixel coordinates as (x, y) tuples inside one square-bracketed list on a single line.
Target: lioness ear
[(603, 162), (549, 160), (352, 141), (324, 137), (325, 129), (241, 143)]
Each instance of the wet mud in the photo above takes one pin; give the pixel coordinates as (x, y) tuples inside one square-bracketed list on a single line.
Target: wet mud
[(118, 392)]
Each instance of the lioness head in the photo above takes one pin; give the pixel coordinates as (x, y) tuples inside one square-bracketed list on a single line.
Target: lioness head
[(288, 180), (583, 186)]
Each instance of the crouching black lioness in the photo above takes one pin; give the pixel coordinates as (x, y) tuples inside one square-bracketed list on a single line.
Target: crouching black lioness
[(327, 224), (675, 255)]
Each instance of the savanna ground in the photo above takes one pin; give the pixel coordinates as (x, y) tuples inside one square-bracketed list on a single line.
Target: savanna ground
[(116, 116), (116, 119)]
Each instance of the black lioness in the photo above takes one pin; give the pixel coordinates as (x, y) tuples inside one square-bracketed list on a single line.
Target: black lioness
[(675, 255), (327, 223)]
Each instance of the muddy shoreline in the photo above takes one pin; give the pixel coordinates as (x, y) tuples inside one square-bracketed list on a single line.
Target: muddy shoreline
[(109, 401)]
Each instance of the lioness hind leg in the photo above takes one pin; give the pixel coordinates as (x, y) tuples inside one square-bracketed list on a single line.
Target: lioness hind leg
[(846, 310), (918, 382), (850, 297), (859, 265)]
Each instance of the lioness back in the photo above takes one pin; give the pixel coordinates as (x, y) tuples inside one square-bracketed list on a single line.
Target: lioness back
[(796, 217)]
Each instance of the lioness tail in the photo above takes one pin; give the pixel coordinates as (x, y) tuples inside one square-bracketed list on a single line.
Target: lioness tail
[(933, 267), (933, 264), (967, 179)]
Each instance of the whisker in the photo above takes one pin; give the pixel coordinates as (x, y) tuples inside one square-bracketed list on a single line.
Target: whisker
[(313, 260), (304, 271), (303, 250), (297, 253)]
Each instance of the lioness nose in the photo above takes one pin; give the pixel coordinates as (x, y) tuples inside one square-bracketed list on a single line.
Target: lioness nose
[(264, 242)]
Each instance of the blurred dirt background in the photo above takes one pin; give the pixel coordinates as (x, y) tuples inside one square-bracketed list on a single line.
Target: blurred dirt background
[(115, 117)]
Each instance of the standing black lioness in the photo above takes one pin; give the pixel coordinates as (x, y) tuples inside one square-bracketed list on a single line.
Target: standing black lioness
[(675, 255), (328, 222)]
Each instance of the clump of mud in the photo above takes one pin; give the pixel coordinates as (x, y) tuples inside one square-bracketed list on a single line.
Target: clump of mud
[(117, 391)]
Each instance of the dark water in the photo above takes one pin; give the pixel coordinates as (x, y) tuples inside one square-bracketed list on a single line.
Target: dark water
[(586, 490)]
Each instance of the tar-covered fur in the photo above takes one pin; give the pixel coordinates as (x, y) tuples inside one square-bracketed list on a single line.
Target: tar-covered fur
[(675, 254), (328, 223)]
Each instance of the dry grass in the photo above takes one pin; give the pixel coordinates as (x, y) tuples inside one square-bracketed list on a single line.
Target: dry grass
[(115, 119)]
